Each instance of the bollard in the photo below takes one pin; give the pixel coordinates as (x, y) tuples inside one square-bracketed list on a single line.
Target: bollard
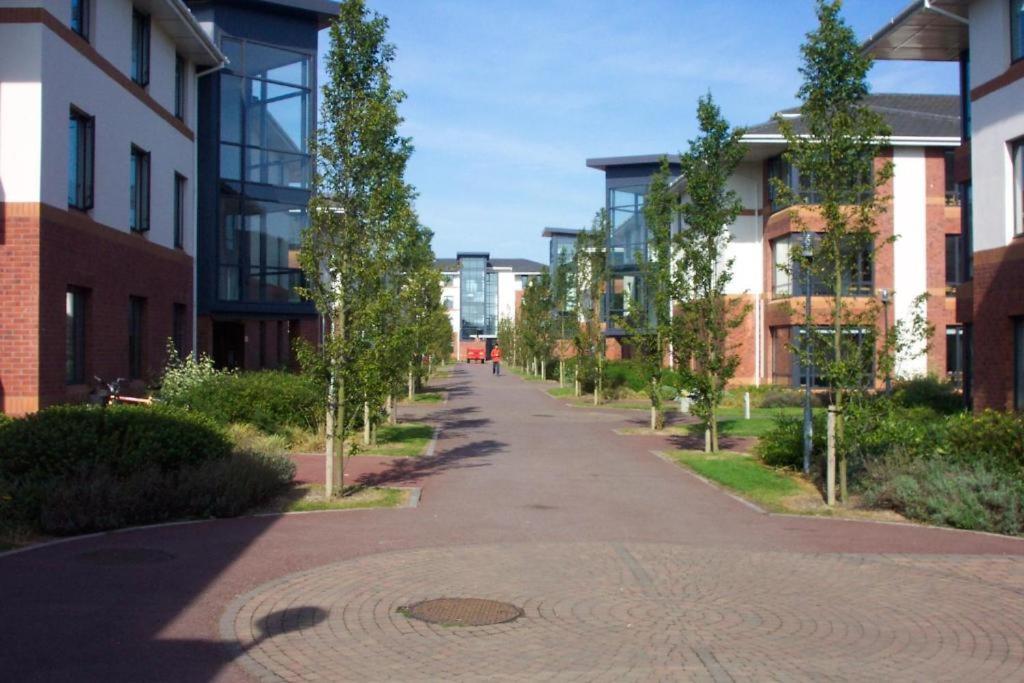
[(746, 405), (830, 471)]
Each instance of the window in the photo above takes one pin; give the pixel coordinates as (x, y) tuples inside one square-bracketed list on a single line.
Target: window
[(80, 160), (965, 95), (954, 260), (136, 315), (952, 196), (858, 345), (179, 86), (80, 17), (955, 354), (1016, 29), (1018, 363), (74, 336), (790, 276), (179, 211), (139, 219), (1018, 186), (967, 231), (140, 48), (179, 328), (258, 250)]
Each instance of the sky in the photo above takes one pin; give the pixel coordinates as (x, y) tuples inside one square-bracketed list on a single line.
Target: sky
[(507, 99)]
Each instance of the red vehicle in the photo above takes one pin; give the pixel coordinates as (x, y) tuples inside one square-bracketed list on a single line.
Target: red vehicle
[(476, 354)]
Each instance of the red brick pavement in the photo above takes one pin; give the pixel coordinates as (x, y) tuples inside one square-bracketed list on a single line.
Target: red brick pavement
[(528, 501)]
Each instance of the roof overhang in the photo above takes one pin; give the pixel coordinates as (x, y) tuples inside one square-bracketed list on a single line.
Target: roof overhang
[(191, 41), (926, 30), (562, 232), (604, 163), (764, 145)]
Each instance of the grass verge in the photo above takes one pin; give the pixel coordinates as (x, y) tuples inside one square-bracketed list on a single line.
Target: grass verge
[(404, 440), (426, 396), (310, 498)]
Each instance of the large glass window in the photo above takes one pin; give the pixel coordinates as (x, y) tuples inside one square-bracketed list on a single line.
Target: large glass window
[(266, 117), (954, 260), (790, 276), (180, 79), (139, 191), (80, 160), (74, 336), (1018, 186), (259, 250), (1016, 29), (140, 47), (80, 15), (629, 231), (857, 344), (952, 195), (473, 291), (136, 315), (625, 289), (955, 354)]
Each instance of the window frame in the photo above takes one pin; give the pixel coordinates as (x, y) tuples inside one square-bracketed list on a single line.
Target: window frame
[(1017, 184), (178, 213), (81, 14), (1016, 31), (141, 40), (85, 142), (180, 91), (139, 190), (74, 335), (136, 335)]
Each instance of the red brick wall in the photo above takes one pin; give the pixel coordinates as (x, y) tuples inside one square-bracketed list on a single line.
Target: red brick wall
[(46, 250), (19, 308), (998, 294)]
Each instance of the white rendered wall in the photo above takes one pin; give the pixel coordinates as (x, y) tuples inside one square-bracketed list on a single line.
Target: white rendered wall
[(452, 290), (121, 120), (21, 102), (910, 251), (506, 295), (989, 39)]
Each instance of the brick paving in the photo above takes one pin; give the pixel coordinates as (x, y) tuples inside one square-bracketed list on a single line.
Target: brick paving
[(626, 567)]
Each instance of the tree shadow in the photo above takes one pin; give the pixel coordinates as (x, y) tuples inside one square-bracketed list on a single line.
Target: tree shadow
[(407, 469)]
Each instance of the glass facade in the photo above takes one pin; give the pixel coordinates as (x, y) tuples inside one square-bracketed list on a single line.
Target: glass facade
[(266, 120), (629, 230), (478, 297)]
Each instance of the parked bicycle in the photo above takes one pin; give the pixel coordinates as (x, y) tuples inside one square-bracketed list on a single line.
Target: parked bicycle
[(106, 393)]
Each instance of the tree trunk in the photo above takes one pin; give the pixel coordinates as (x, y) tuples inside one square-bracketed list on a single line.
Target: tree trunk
[(412, 386), (392, 410), (332, 462), (366, 423), (654, 418), (713, 422), (561, 373), (837, 343)]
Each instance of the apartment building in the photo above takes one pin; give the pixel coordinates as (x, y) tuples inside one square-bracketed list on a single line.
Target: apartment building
[(97, 183), (986, 38), (924, 216), (256, 118), (478, 292)]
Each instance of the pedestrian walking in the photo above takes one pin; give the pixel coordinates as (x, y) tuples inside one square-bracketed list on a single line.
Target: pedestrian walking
[(496, 360)]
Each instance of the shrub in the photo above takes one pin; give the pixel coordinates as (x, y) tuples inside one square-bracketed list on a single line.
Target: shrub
[(783, 445), (248, 438), (95, 499), (929, 392), (270, 400), (57, 441), (4, 420), (939, 492), (186, 376), (993, 438)]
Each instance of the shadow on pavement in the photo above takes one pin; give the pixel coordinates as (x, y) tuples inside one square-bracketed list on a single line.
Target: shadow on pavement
[(419, 468)]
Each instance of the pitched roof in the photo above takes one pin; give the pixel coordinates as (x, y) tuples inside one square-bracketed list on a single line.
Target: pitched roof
[(918, 116)]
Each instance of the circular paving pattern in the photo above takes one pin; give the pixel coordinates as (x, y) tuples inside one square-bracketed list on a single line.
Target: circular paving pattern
[(607, 611)]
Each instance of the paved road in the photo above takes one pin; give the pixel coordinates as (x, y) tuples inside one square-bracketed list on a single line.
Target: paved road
[(625, 567)]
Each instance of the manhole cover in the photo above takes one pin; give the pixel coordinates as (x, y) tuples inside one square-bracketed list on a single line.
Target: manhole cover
[(114, 556), (463, 612)]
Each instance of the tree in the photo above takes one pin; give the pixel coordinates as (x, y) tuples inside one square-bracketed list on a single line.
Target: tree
[(590, 268), (360, 201), (536, 315), (835, 153), (648, 320), (565, 308), (707, 313)]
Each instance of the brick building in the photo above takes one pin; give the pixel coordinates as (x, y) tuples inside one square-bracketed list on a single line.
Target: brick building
[(986, 38), (924, 216)]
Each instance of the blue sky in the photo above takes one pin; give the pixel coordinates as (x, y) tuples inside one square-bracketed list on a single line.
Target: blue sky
[(507, 99)]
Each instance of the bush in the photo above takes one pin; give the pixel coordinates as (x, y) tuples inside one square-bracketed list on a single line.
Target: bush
[(993, 438), (929, 392), (57, 441), (939, 492), (629, 375), (271, 400), (4, 420), (783, 445), (95, 499)]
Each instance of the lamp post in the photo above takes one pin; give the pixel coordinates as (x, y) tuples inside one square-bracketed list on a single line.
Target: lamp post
[(884, 295), (808, 254)]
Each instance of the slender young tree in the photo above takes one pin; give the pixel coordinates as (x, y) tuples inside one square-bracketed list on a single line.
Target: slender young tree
[(707, 313), (565, 309), (538, 322), (359, 200), (591, 270), (648, 320), (835, 152)]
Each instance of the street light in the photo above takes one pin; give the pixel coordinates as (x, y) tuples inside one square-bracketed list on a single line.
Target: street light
[(808, 254), (884, 294)]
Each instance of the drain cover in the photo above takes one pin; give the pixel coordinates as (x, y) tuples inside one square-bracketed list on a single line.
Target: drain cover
[(115, 556), (463, 612)]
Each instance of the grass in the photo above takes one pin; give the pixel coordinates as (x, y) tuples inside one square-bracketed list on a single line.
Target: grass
[(404, 440), (426, 396), (732, 423), (310, 498), (745, 475), (587, 400)]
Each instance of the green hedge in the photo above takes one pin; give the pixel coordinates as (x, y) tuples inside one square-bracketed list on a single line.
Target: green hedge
[(270, 400), (72, 469)]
